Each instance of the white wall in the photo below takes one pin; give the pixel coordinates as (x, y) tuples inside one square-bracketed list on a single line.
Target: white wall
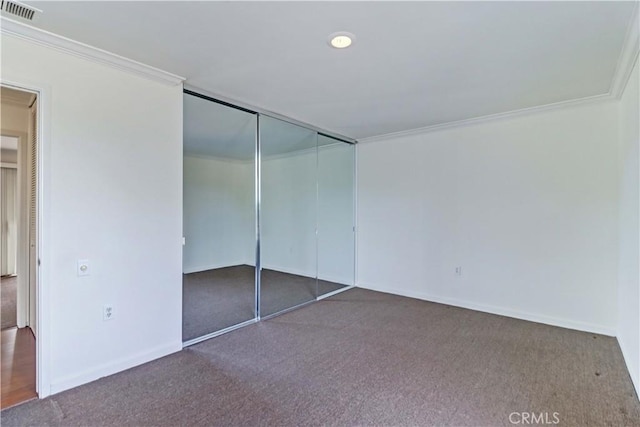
[(288, 213), (336, 196), (219, 219), (219, 213), (301, 191), (526, 206), (629, 231), (112, 176)]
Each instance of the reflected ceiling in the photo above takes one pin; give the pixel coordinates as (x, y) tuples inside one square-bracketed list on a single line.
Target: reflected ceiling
[(215, 130)]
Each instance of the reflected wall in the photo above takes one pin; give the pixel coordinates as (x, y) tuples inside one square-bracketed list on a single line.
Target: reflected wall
[(336, 213), (219, 217), (288, 215)]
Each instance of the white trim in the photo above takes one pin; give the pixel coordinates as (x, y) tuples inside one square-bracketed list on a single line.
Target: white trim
[(252, 108), (312, 151), (635, 376), (307, 274), (626, 61), (43, 323), (64, 44), (293, 271), (114, 367), (332, 293), (335, 279), (288, 309), (188, 155), (628, 56), (9, 165), (201, 268), (218, 333), (489, 118), (501, 311)]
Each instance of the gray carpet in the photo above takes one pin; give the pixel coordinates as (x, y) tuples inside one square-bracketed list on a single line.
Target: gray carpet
[(8, 296), (216, 299), (362, 358)]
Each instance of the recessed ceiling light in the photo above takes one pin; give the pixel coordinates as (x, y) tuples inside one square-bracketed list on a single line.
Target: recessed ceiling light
[(341, 39)]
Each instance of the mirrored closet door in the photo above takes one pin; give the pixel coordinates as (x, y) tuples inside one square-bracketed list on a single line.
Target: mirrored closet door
[(336, 213), (288, 216), (268, 216), (219, 217)]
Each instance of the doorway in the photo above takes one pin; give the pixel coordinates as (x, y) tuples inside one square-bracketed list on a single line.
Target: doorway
[(19, 244)]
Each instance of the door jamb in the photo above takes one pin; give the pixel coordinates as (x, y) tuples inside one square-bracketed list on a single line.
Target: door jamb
[(43, 309)]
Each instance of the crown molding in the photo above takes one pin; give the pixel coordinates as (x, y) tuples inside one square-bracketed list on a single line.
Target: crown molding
[(192, 155), (491, 117), (9, 27), (628, 56), (626, 61), (252, 109)]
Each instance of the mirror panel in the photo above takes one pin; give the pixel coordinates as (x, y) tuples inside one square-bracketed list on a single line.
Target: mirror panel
[(219, 221), (336, 237), (288, 215)]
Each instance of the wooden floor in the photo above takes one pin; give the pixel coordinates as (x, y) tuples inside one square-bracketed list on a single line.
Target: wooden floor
[(18, 366)]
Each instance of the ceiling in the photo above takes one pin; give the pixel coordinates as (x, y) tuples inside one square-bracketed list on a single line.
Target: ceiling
[(414, 64), (214, 130)]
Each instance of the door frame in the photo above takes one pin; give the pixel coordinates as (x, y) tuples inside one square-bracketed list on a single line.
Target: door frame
[(43, 203)]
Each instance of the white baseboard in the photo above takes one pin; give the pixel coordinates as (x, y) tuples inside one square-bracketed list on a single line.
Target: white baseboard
[(633, 373), (501, 311), (336, 292), (334, 279), (113, 367), (197, 269), (288, 270), (312, 275)]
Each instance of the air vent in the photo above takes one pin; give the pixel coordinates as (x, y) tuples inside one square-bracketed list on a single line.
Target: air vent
[(18, 9)]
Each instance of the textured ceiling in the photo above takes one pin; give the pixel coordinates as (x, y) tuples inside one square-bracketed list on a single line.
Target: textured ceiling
[(413, 64)]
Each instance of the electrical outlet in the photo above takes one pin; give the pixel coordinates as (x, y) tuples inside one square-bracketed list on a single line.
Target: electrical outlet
[(458, 271), (107, 312)]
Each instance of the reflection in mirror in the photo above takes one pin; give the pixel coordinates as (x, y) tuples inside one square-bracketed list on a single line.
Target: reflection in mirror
[(336, 239), (287, 215), (218, 217)]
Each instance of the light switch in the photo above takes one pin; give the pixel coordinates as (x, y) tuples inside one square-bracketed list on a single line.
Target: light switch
[(83, 267)]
